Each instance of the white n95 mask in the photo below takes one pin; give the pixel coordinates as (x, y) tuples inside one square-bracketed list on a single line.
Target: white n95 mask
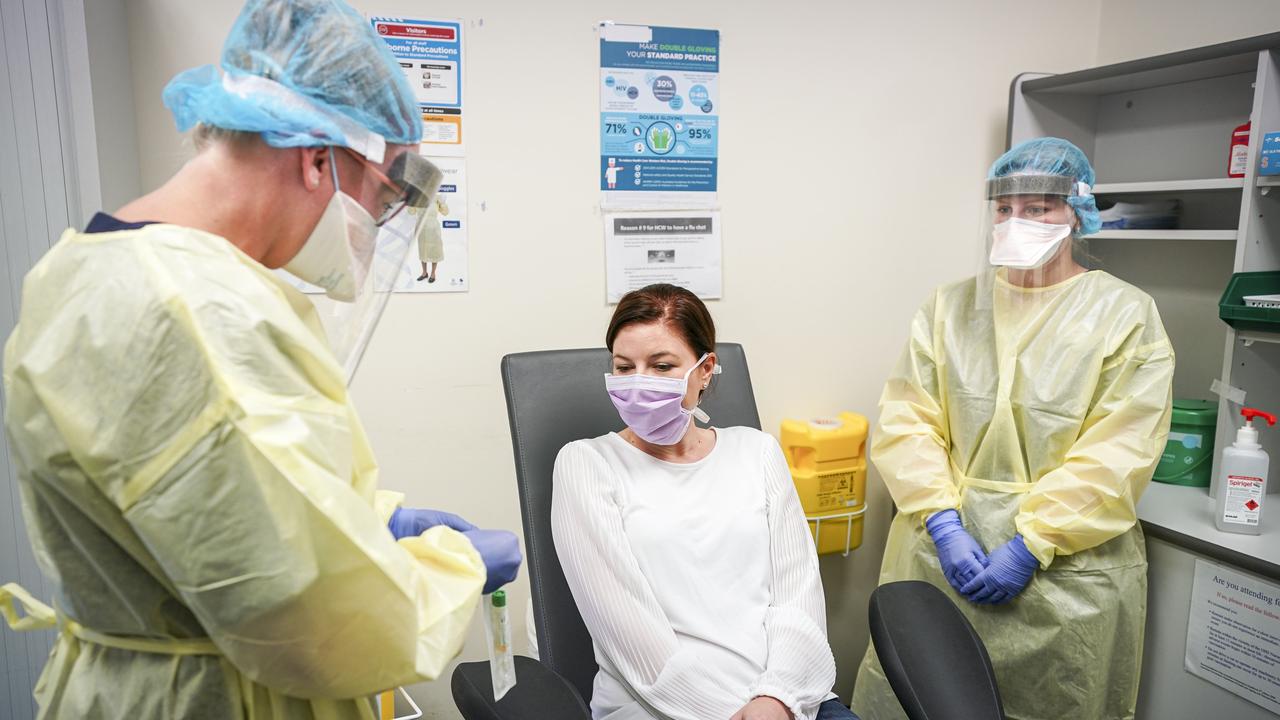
[(1026, 244), (338, 253)]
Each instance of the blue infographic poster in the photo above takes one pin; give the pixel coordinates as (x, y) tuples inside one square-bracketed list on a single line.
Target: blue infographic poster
[(659, 116)]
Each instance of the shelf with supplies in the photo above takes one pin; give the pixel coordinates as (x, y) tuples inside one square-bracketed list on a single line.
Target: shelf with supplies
[(1168, 186), (1252, 336), (1224, 235)]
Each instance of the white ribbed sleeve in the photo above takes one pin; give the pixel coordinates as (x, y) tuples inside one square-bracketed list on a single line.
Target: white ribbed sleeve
[(800, 669), (616, 602)]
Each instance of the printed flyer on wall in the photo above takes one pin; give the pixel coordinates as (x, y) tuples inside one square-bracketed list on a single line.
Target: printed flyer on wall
[(1233, 634), (659, 116), (437, 257), (430, 52), (680, 248), (437, 260)]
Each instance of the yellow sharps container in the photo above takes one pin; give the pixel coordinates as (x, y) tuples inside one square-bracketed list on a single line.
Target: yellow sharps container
[(828, 461)]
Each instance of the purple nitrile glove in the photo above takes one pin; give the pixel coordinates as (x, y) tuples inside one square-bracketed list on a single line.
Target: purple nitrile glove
[(961, 556), (412, 522), (500, 551), (1009, 568)]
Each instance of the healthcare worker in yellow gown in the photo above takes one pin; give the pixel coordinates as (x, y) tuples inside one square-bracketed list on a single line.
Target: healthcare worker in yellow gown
[(195, 481), (1016, 434)]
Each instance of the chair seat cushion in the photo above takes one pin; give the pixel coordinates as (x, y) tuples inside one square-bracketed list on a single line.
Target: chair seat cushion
[(539, 694)]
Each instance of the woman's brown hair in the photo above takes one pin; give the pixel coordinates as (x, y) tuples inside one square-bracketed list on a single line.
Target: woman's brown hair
[(668, 304)]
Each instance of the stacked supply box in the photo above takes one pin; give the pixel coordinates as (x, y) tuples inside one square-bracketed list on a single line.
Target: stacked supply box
[(1269, 162)]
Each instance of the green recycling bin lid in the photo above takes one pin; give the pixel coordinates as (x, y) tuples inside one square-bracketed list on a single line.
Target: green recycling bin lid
[(1198, 413)]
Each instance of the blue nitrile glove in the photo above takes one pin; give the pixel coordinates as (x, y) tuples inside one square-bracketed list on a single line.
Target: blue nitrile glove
[(1009, 569), (500, 551), (412, 522), (961, 556)]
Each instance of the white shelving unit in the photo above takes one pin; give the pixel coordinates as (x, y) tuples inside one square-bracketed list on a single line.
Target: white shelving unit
[(1229, 235), (1165, 186), (1160, 128), (1248, 338)]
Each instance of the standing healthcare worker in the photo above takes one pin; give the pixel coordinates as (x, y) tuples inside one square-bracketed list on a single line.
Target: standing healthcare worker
[(195, 481), (1016, 435)]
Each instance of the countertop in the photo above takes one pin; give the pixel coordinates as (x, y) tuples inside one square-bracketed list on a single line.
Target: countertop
[(1183, 516)]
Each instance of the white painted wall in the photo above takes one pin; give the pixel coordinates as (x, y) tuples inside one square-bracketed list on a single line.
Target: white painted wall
[(1132, 29), (855, 138), (110, 71)]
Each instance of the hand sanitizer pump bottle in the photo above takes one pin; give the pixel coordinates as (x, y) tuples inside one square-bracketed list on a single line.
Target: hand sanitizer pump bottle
[(1242, 479)]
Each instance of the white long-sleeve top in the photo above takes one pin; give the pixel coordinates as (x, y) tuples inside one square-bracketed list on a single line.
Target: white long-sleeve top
[(698, 582)]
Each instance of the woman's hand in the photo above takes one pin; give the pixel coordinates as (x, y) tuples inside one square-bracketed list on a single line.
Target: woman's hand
[(764, 708)]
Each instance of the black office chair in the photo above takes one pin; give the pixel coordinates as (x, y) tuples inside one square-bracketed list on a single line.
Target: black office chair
[(554, 398), (539, 694), (934, 660)]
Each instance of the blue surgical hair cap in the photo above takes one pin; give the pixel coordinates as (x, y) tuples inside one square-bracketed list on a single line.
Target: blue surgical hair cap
[(1050, 166), (302, 73)]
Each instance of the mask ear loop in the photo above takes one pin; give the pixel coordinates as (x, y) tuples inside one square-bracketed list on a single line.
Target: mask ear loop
[(333, 170), (697, 412)]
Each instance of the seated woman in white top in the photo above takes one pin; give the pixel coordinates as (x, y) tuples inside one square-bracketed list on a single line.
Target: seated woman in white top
[(685, 547)]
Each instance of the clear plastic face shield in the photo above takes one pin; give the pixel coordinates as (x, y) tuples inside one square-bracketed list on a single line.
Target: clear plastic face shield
[(404, 182), (409, 182), (1030, 234)]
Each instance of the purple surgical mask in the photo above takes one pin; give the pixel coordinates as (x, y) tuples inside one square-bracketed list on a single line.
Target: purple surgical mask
[(653, 406)]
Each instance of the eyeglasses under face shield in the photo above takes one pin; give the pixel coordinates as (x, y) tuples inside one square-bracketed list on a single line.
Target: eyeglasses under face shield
[(418, 177), (411, 180)]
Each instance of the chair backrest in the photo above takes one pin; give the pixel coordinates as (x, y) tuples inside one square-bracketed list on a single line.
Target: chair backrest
[(553, 398), (934, 660)]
